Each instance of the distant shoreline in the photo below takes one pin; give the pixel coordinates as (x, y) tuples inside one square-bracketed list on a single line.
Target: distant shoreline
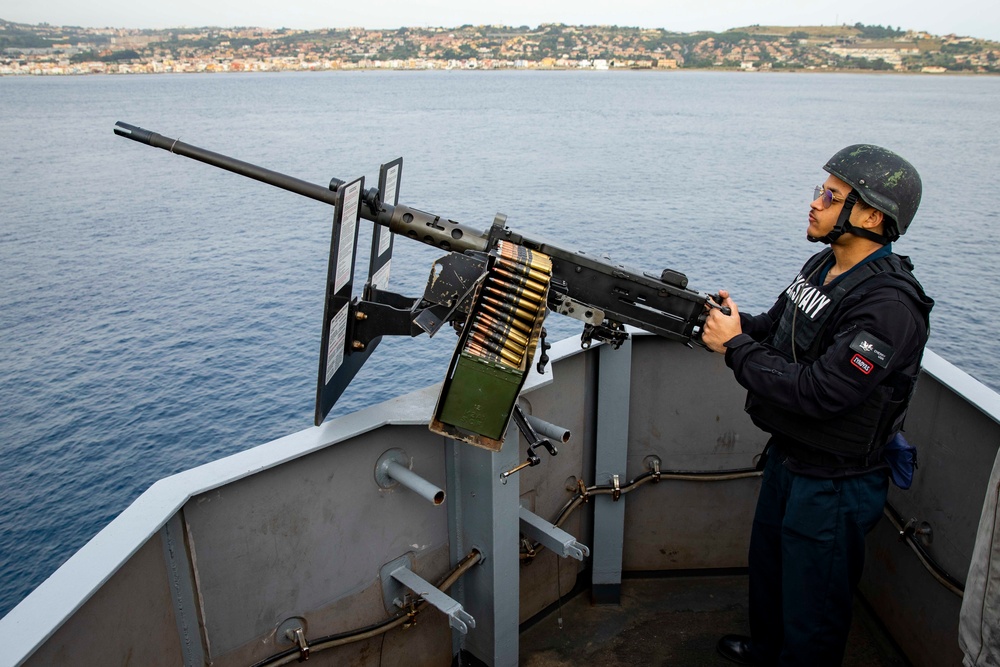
[(54, 50), (363, 70)]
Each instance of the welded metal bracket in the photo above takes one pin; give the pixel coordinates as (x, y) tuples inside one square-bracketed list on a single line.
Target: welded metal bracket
[(452, 281), (551, 537), (564, 305), (399, 571)]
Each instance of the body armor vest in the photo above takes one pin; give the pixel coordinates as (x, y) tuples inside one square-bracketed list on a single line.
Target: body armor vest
[(856, 436)]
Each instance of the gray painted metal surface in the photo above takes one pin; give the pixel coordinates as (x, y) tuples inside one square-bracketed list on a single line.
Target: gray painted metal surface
[(211, 564), (458, 618), (392, 467), (698, 424), (486, 519), (962, 384), (558, 540), (182, 590), (613, 395)]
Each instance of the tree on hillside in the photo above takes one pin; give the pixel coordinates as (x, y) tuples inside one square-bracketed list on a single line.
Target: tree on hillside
[(877, 31)]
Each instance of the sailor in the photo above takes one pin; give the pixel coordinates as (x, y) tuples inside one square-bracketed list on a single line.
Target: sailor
[(829, 371)]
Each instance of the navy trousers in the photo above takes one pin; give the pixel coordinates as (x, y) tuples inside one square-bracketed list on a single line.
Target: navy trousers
[(807, 550)]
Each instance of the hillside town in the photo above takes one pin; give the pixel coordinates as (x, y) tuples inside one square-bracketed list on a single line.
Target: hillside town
[(63, 50)]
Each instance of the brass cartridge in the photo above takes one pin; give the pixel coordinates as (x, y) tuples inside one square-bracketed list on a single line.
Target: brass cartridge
[(494, 336), (522, 281), (484, 330), (509, 305), (504, 329), (522, 255), (506, 320), (507, 355), (515, 291), (481, 352), (522, 269)]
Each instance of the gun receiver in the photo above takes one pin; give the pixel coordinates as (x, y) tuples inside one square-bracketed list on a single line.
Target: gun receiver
[(475, 277)]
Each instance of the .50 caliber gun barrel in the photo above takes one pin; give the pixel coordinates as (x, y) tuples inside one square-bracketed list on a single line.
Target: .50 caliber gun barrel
[(400, 219), (277, 179)]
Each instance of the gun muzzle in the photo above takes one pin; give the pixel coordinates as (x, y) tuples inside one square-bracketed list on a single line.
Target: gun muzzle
[(134, 132)]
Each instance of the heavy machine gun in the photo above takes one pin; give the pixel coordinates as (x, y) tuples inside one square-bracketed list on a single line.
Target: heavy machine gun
[(494, 286)]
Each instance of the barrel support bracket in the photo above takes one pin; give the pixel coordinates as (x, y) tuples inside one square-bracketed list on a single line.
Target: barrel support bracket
[(552, 537), (399, 571)]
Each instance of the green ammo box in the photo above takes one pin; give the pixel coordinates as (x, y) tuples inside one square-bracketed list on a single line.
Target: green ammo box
[(480, 396)]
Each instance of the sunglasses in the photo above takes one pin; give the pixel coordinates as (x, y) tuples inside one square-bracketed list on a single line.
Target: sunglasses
[(825, 197)]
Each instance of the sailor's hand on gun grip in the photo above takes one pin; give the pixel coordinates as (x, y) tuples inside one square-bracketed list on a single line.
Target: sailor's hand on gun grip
[(721, 327)]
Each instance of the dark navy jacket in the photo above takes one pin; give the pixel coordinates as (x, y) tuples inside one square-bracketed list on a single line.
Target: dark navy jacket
[(836, 376)]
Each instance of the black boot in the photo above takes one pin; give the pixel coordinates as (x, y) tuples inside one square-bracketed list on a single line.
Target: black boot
[(736, 648)]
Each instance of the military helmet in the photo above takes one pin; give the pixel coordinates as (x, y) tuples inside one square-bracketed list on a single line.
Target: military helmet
[(883, 180)]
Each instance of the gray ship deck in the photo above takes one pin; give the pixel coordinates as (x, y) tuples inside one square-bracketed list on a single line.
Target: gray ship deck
[(214, 565), (673, 620)]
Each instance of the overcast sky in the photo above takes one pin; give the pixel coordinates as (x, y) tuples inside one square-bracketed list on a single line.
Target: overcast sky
[(963, 17)]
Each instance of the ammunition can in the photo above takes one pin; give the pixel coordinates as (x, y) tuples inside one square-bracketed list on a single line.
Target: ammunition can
[(479, 401)]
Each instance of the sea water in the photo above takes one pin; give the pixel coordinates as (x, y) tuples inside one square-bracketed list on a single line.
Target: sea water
[(156, 313)]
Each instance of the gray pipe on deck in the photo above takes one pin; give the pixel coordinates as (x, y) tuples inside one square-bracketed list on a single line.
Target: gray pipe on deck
[(542, 427), (413, 481)]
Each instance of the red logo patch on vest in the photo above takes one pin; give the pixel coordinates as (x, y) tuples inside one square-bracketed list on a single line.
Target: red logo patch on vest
[(862, 364)]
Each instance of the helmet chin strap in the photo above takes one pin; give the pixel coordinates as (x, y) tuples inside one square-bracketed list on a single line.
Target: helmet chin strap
[(865, 234), (844, 226)]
